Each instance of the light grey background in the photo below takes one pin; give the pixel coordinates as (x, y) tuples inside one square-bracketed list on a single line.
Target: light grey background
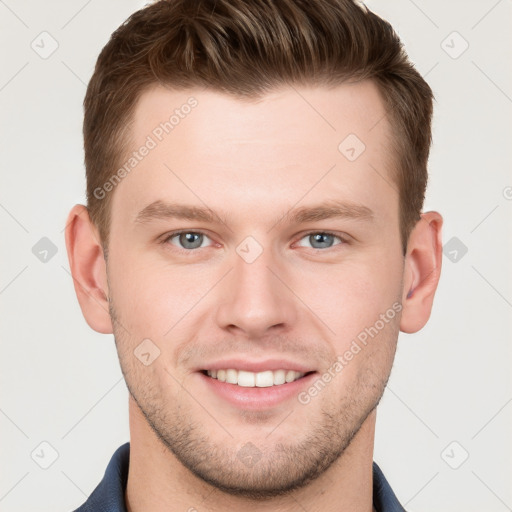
[(60, 381)]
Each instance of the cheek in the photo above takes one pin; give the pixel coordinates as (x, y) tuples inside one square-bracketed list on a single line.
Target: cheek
[(151, 297), (351, 296), (136, 292)]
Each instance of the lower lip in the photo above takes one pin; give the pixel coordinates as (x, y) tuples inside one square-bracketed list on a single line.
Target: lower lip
[(257, 398)]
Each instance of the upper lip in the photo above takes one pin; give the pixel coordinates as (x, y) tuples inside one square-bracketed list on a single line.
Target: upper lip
[(257, 366)]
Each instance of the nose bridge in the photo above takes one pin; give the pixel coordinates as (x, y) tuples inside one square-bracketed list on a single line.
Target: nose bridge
[(254, 299)]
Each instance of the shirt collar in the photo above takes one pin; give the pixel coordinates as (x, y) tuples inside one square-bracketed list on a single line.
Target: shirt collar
[(109, 494)]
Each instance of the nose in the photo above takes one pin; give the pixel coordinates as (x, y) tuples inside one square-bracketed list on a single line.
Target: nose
[(255, 300)]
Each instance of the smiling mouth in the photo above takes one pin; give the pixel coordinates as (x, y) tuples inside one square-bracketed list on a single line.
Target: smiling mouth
[(263, 379)]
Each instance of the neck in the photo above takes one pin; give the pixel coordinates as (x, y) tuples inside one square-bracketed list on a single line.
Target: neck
[(157, 481)]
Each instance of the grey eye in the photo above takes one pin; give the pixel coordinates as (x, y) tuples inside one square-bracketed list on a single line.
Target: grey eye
[(321, 240), (188, 240)]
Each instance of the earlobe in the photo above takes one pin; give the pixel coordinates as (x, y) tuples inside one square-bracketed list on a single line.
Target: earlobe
[(88, 268), (422, 272)]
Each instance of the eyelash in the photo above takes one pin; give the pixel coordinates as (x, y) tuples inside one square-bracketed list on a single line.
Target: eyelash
[(167, 238)]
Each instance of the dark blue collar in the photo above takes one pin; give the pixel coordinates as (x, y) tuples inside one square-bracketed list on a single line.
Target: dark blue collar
[(109, 494)]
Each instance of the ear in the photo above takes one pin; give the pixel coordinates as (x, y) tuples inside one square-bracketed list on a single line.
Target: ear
[(421, 272), (88, 268)]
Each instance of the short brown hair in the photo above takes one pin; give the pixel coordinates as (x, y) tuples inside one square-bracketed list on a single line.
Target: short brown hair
[(246, 48)]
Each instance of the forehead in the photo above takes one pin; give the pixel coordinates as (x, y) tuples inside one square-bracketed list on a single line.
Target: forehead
[(286, 114), (292, 144)]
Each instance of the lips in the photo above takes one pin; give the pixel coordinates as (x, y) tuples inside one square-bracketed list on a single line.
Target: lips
[(245, 394), (255, 385)]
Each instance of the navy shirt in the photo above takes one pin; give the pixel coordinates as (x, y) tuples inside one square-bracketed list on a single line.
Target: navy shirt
[(109, 494)]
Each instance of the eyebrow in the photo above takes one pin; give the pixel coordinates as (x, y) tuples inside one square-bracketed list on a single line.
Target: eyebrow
[(160, 210)]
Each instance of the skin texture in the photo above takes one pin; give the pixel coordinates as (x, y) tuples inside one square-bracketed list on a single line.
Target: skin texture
[(252, 163)]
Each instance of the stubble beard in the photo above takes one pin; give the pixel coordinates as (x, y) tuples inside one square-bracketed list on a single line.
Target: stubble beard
[(275, 470)]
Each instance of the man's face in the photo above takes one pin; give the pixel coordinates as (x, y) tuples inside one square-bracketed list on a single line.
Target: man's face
[(257, 288)]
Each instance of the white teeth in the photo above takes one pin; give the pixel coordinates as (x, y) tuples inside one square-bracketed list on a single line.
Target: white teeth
[(231, 376), (250, 379), (245, 379), (290, 376), (279, 377), (264, 379)]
